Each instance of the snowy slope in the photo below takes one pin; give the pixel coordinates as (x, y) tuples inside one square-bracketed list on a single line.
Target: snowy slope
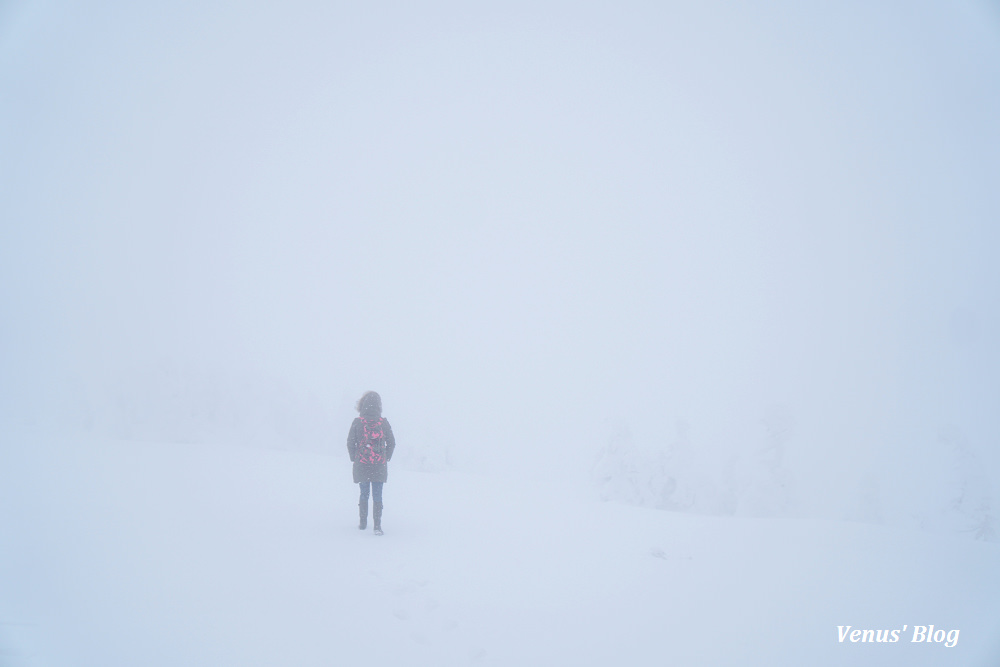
[(125, 553)]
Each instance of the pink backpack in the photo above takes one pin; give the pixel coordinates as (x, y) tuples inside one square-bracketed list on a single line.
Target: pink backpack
[(371, 446)]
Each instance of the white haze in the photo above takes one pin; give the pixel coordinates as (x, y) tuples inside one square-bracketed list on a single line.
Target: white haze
[(524, 224)]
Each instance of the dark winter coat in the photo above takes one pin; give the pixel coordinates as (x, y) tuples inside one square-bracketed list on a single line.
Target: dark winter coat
[(369, 472)]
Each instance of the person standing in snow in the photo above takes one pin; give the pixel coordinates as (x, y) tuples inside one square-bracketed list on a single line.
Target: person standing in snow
[(370, 444)]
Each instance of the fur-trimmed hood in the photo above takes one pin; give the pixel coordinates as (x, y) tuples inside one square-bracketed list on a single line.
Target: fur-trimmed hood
[(369, 405)]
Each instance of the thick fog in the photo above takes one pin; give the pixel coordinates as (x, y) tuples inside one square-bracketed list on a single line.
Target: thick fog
[(708, 235)]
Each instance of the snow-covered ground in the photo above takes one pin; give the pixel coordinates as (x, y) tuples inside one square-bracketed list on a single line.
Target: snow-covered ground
[(132, 553)]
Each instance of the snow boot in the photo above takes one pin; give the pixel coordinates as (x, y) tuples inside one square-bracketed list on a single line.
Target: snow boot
[(363, 509), (378, 518)]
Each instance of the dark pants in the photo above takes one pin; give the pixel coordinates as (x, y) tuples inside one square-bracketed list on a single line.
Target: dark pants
[(367, 487)]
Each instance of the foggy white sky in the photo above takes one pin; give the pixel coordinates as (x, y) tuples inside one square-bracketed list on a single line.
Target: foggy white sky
[(518, 222)]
